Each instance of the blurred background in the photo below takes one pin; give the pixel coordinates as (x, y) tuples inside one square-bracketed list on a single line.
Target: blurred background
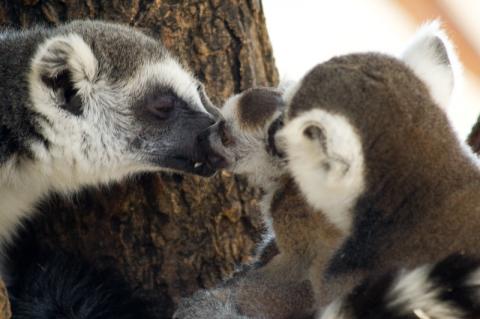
[(306, 32)]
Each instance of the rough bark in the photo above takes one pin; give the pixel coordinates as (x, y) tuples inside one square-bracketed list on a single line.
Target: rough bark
[(5, 311), (168, 234)]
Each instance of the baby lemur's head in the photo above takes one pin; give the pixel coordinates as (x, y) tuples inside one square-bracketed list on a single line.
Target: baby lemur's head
[(243, 141)]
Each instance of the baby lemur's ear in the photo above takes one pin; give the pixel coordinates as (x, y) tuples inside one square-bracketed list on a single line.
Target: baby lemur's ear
[(314, 132), (66, 65), (431, 56), (325, 157)]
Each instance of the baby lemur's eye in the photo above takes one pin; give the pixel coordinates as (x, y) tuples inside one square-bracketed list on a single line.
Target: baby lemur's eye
[(162, 106), (225, 135)]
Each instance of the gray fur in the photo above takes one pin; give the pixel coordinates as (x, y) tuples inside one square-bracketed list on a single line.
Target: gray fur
[(89, 103), (208, 304)]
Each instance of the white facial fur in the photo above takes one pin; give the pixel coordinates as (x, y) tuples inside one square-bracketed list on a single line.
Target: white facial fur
[(170, 73), (329, 173), (248, 154), (290, 90)]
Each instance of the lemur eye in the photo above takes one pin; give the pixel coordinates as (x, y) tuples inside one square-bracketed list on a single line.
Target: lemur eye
[(162, 106)]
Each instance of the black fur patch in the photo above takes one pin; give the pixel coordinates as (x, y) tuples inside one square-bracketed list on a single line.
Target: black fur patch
[(272, 130), (9, 144), (360, 250), (452, 274), (368, 300), (49, 284), (63, 84), (267, 253), (372, 224)]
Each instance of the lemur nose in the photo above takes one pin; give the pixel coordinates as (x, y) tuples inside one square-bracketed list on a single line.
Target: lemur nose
[(203, 139), (203, 136), (213, 159), (206, 121), (212, 121), (216, 161)]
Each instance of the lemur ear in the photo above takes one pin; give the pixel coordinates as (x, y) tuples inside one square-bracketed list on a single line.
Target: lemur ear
[(431, 56), (207, 103), (326, 139), (66, 65), (317, 135), (314, 132)]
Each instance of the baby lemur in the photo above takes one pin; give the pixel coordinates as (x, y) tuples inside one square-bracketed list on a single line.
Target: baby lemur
[(278, 285), (376, 158)]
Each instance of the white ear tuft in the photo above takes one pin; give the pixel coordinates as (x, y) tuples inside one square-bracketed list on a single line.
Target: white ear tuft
[(431, 55), (288, 89), (285, 83), (325, 157), (66, 53)]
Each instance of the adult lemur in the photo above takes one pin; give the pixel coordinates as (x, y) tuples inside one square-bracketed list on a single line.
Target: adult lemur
[(88, 103), (347, 124), (371, 148)]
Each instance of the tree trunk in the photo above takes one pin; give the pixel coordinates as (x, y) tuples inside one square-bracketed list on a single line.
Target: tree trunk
[(5, 309), (168, 234)]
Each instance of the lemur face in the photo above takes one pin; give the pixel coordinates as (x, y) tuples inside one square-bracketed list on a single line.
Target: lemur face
[(112, 99), (243, 141)]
